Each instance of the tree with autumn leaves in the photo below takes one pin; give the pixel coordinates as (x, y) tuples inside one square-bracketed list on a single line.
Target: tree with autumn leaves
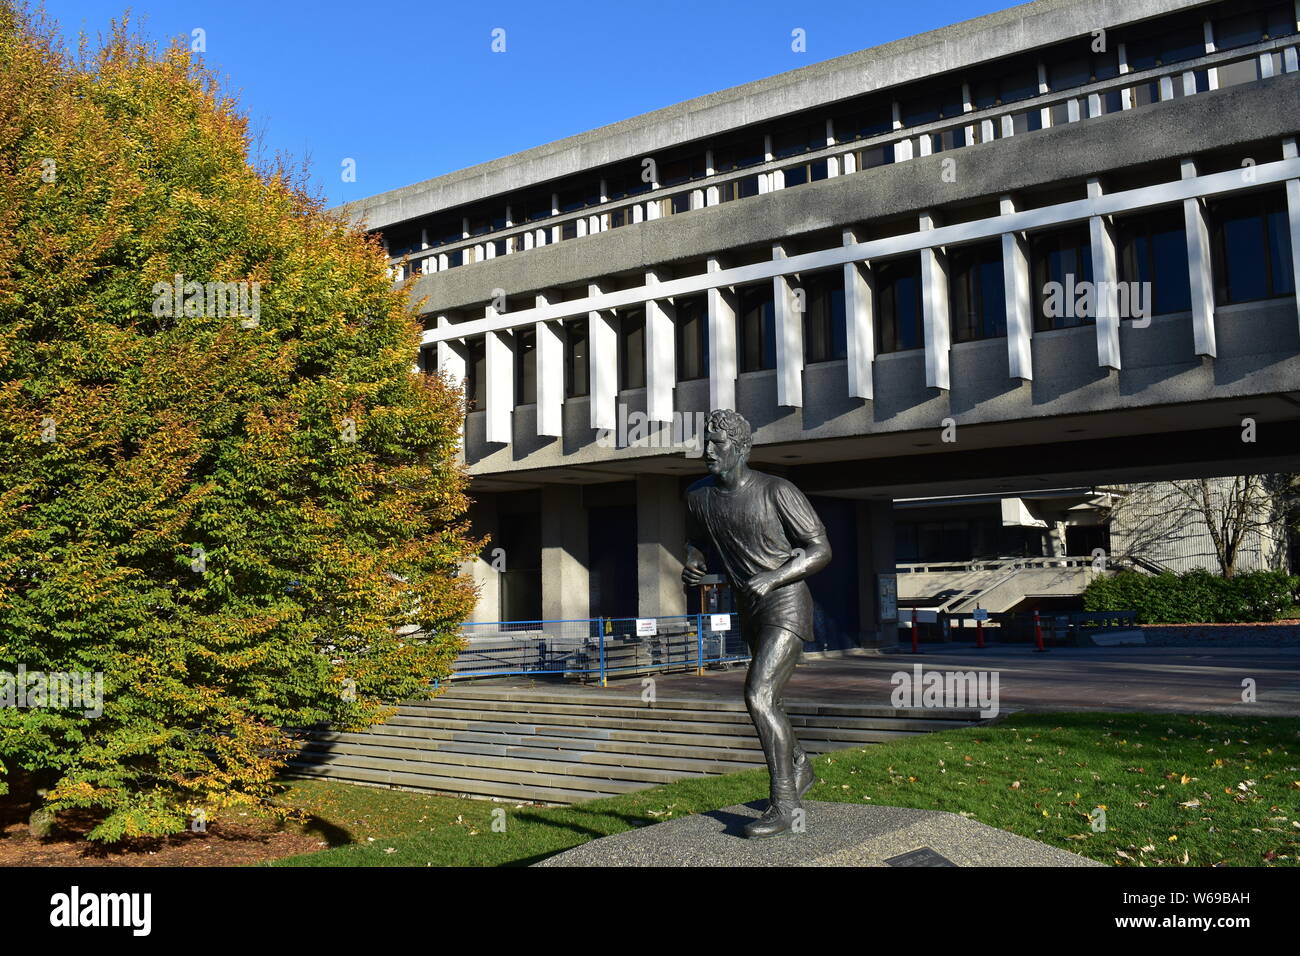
[(244, 511)]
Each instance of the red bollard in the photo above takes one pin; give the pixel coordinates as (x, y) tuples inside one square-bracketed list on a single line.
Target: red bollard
[(979, 633), (915, 649), (1038, 633)]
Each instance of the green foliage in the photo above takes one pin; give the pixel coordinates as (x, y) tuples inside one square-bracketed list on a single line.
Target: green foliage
[(226, 518), (1196, 597)]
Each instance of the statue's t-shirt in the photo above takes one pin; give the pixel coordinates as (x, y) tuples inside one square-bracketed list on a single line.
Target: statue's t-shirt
[(756, 528)]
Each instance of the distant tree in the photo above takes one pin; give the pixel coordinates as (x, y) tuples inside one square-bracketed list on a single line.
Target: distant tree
[(222, 485), (1150, 520)]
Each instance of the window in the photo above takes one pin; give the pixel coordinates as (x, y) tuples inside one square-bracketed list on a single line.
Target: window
[(898, 293), (692, 337), (624, 184), (1252, 247), (1081, 65), (872, 121), (1020, 84), (803, 138), (928, 108), (738, 154), (756, 327), (874, 156), (402, 241), (824, 334), (1169, 40), (1060, 261), (1153, 248), (526, 366), (682, 170), (738, 189), (631, 349), (576, 368), (443, 231), (1267, 21), (580, 196), (804, 173), (475, 373), (978, 302)]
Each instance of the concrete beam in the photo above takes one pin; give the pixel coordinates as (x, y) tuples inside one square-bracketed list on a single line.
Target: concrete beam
[(660, 354), (722, 344), (1015, 280), (1199, 264), (602, 352), (550, 374), (1105, 275), (860, 323), (500, 384), (934, 311), (787, 300)]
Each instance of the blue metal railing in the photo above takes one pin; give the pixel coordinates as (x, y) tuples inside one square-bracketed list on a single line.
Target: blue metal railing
[(598, 648)]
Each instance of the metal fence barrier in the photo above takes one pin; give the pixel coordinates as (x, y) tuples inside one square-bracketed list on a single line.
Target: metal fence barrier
[(599, 648)]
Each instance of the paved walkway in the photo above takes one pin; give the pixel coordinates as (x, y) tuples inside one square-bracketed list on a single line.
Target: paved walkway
[(1157, 679)]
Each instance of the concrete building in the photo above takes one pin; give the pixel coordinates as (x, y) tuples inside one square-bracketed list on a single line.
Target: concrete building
[(1052, 247)]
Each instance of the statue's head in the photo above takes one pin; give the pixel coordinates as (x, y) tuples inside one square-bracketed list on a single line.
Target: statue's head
[(727, 440)]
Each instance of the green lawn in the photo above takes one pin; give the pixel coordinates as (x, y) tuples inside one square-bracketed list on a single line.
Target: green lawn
[(1176, 789)]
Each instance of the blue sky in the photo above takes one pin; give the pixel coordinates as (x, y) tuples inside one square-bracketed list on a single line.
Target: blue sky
[(411, 90)]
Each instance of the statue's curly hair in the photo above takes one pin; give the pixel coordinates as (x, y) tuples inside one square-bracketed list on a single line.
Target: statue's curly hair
[(733, 424)]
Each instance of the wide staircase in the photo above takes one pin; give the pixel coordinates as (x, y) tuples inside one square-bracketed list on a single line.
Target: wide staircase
[(560, 746)]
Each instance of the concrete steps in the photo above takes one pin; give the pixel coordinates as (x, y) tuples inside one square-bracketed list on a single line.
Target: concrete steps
[(561, 746)]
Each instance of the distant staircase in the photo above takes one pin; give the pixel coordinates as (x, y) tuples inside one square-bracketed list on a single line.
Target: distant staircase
[(561, 747)]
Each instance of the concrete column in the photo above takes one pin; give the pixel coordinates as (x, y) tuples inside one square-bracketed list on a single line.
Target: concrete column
[(500, 384), (875, 527), (859, 323), (660, 354), (451, 356), (483, 522), (786, 301), (550, 374), (1199, 264), (602, 351), (1293, 216), (660, 546), (934, 308), (722, 344), (1015, 279), (566, 593), (1105, 275)]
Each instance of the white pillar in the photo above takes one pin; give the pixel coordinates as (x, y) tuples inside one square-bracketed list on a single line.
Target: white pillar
[(1199, 266), (602, 351), (1293, 215), (934, 303), (859, 323), (660, 354), (789, 337), (1015, 279), (722, 344), (451, 357), (500, 385), (1105, 275), (550, 375)]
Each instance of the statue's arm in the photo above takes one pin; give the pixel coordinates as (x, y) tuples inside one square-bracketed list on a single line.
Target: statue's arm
[(809, 556), (696, 564)]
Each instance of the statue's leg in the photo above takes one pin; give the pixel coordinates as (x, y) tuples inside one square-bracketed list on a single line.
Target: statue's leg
[(775, 655)]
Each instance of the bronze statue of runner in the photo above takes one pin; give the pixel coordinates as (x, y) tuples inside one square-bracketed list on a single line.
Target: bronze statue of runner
[(769, 539)]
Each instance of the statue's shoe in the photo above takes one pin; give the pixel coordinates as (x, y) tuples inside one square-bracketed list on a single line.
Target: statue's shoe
[(777, 819), (804, 778)]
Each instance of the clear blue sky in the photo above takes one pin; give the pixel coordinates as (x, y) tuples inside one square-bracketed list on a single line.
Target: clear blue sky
[(411, 90)]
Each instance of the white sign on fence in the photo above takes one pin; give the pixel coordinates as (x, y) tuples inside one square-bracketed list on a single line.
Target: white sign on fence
[(719, 622), (646, 627), (926, 617)]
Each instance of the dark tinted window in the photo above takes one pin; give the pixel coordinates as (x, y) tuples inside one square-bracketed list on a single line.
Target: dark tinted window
[(977, 300), (898, 294), (1153, 248), (756, 327)]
